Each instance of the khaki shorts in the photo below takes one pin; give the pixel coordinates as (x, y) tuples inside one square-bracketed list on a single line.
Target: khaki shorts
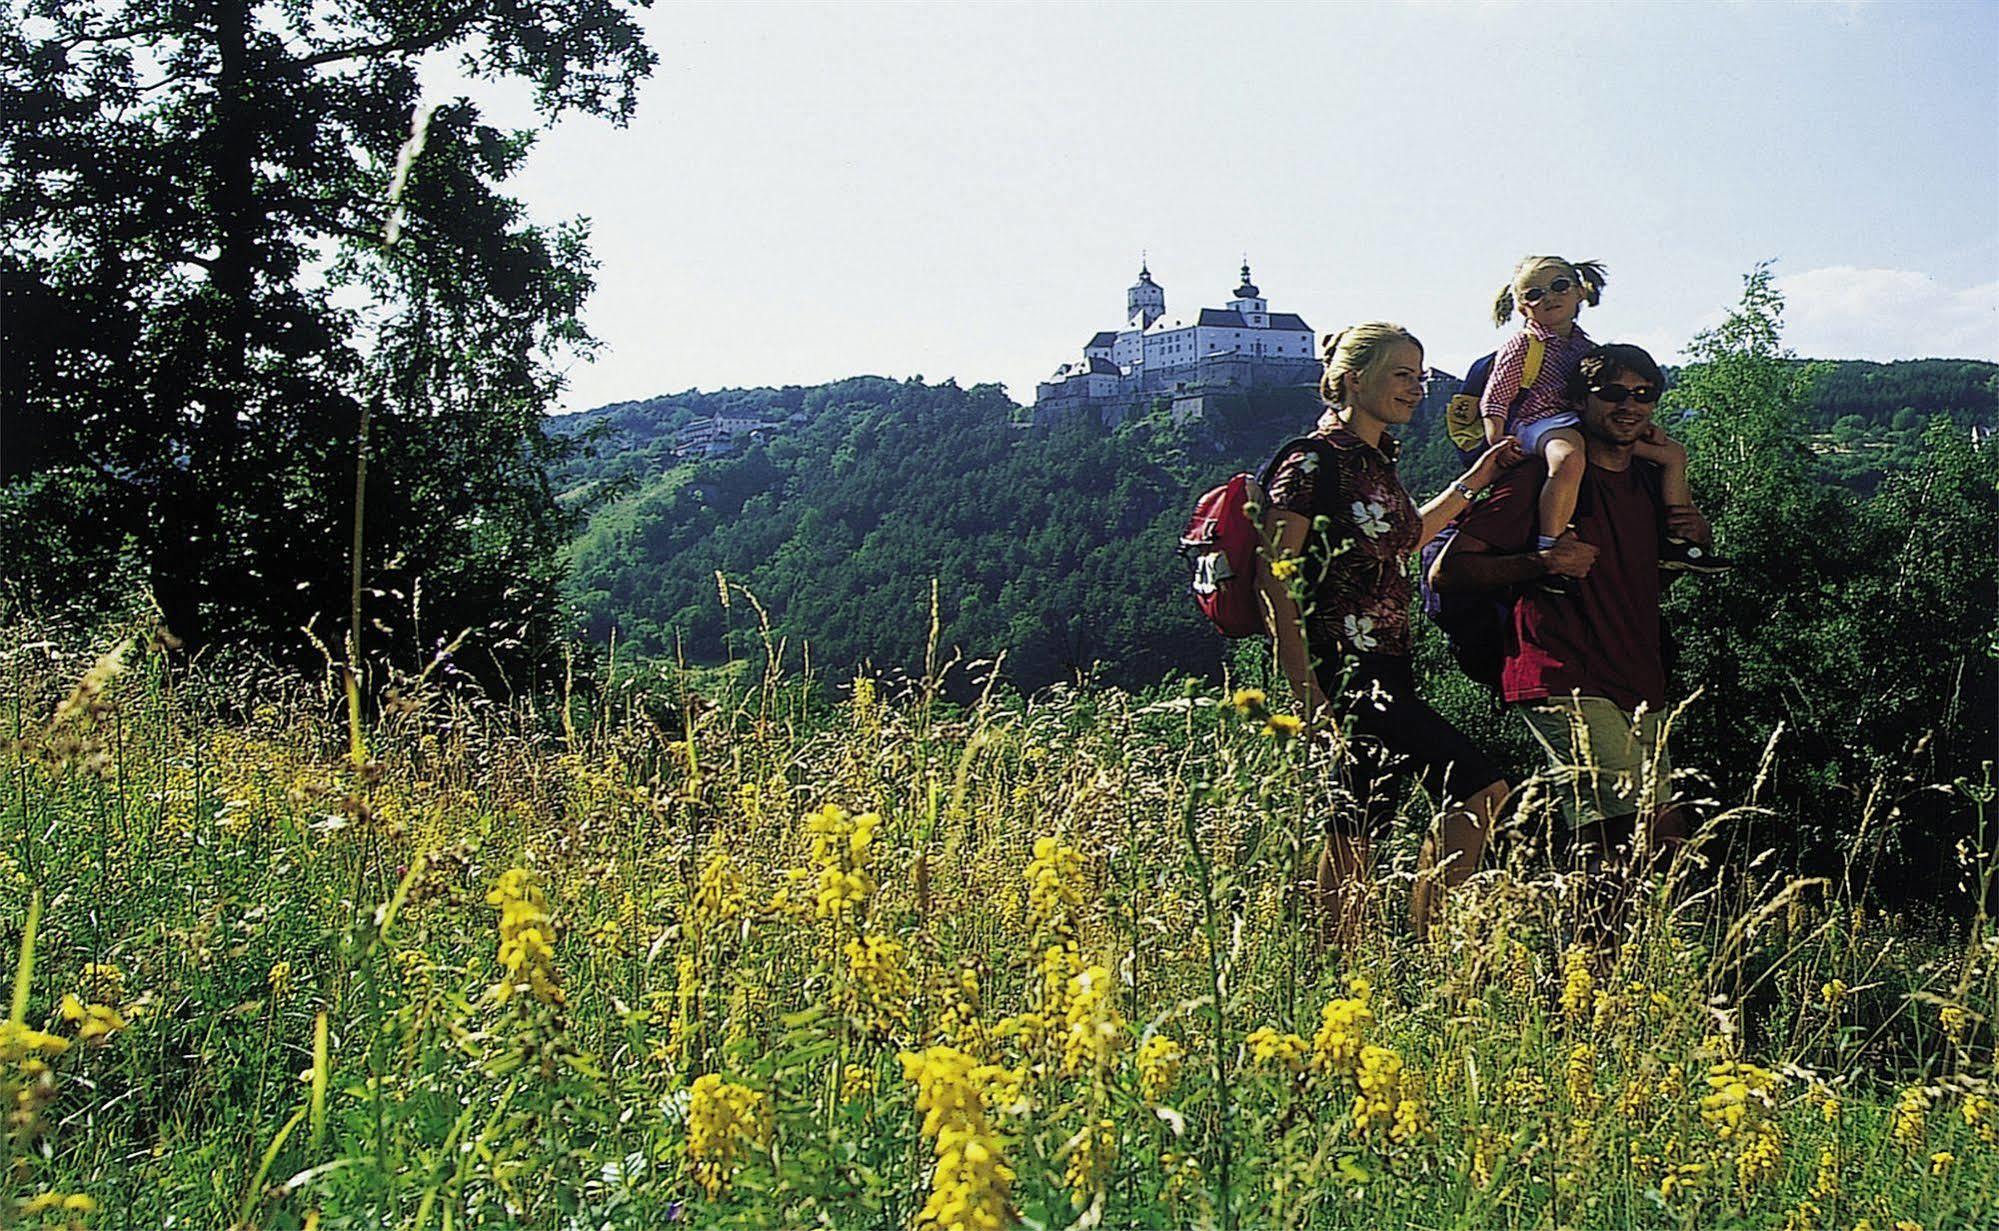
[(1602, 762)]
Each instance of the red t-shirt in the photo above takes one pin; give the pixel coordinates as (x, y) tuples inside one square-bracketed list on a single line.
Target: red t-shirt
[(1604, 641)]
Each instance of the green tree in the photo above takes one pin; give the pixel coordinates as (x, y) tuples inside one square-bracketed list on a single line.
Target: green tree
[(201, 300), (1858, 624)]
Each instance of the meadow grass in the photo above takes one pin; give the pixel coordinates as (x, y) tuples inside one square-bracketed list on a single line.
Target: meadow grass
[(761, 958)]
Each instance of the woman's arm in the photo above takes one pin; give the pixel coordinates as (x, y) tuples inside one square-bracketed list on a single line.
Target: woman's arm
[(1456, 498), (1286, 531)]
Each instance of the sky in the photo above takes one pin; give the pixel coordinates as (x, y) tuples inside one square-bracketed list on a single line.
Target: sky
[(814, 191)]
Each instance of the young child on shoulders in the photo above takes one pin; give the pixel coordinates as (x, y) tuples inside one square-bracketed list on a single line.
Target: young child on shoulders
[(1549, 292)]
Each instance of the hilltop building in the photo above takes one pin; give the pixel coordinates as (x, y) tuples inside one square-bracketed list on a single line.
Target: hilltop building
[(721, 434), (1218, 352)]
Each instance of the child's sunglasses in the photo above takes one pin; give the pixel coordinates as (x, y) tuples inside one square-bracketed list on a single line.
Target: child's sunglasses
[(1533, 294), (1644, 395)]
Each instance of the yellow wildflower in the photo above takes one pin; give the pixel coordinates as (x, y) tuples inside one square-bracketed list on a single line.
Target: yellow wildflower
[(1284, 568), (1741, 1094), (1283, 726), (866, 709), (1977, 1112), (18, 1042), (1267, 1046), (1760, 1154), (1159, 1061), (1680, 1178), (1054, 889), (1412, 1120), (1091, 1154), (1379, 1076), (527, 939), (1581, 1073), (879, 983), (969, 1186), (840, 847), (856, 1084), (1343, 1024), (1825, 1181), (726, 1124), (718, 894), (1954, 1021), (1249, 701), (1910, 1117), (1094, 1026), (95, 1023), (1578, 985), (1940, 1162)]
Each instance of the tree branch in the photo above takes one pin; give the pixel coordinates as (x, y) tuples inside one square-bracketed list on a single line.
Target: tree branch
[(411, 45)]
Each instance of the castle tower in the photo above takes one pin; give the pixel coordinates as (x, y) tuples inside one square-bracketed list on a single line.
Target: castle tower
[(1145, 302), (1249, 301)]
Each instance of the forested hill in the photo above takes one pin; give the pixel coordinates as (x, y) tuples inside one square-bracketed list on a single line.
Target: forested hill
[(1054, 546), (1906, 392)]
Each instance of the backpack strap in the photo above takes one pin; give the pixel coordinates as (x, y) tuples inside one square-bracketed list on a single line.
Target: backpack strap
[(1314, 443), (1530, 367)]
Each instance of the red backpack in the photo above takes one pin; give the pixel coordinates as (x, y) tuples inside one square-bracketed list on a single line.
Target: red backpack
[(1221, 542)]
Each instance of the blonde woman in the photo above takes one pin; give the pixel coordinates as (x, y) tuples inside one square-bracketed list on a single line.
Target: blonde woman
[(1346, 654)]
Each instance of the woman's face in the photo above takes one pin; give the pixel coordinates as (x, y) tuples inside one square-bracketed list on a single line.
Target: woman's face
[(1392, 387)]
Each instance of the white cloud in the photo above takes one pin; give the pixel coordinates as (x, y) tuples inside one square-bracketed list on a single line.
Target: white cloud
[(1841, 312)]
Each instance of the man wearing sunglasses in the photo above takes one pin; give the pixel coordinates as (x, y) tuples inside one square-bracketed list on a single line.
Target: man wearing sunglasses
[(1587, 672)]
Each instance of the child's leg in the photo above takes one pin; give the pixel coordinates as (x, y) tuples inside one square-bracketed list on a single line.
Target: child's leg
[(1674, 492), (1671, 458), (1563, 450)]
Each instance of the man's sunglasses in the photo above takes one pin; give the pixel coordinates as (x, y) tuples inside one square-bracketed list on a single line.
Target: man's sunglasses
[(1533, 294), (1644, 395)]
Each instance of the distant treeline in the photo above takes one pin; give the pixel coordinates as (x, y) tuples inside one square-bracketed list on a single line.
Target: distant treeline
[(1906, 393)]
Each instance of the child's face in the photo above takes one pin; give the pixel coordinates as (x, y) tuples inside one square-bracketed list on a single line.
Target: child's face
[(1551, 308)]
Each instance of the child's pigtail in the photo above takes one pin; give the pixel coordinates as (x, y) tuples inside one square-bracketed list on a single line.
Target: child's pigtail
[(1502, 307), (1591, 275)]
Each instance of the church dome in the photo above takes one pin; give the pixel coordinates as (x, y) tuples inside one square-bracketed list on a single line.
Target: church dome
[(1248, 289)]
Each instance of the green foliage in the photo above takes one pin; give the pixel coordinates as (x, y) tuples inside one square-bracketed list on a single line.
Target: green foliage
[(1861, 625), (1055, 546), (201, 299), (531, 953)]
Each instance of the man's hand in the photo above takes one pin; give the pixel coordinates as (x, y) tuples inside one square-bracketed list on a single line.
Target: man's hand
[(1684, 521), (1569, 556)]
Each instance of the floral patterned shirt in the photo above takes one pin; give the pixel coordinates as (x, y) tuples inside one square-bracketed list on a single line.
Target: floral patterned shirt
[(1358, 600)]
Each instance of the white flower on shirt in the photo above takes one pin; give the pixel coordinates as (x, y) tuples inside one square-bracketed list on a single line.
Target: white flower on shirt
[(1371, 517), (1308, 463), (1360, 632)]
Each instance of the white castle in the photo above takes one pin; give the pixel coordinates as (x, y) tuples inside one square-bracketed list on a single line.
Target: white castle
[(1221, 351)]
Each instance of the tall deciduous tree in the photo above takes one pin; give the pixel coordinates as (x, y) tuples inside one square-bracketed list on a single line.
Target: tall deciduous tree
[(199, 301), (1862, 625)]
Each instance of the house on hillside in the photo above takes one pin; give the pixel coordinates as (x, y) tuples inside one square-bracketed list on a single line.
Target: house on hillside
[(1225, 351), (721, 434)]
